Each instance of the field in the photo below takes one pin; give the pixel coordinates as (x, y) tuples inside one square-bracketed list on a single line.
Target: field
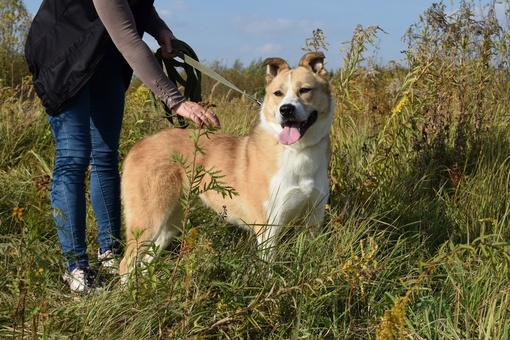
[(416, 243)]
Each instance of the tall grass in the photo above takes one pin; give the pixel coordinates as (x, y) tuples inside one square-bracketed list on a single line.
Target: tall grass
[(416, 240)]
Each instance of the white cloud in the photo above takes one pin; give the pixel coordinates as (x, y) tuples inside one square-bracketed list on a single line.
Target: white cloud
[(269, 49), (257, 26), (278, 27), (173, 10)]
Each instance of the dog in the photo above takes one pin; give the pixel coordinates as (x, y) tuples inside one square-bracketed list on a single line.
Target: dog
[(279, 171)]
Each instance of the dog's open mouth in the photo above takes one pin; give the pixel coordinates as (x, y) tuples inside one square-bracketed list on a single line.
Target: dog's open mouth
[(294, 130)]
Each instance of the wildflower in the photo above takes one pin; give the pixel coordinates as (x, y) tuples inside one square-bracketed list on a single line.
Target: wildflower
[(392, 323), (18, 213), (400, 104)]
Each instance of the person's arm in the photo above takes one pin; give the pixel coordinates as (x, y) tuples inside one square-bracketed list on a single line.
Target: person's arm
[(118, 20)]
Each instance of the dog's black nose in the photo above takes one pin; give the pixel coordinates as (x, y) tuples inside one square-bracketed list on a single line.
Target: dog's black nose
[(287, 110)]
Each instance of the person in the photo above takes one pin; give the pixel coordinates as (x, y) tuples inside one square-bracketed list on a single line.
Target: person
[(82, 54)]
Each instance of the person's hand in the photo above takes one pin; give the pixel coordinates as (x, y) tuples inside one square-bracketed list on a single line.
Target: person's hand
[(165, 41), (197, 113)]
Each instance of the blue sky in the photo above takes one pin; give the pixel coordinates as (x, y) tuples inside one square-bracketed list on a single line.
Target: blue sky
[(230, 30)]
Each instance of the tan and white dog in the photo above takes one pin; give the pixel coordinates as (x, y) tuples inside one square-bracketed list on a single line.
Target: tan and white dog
[(279, 170)]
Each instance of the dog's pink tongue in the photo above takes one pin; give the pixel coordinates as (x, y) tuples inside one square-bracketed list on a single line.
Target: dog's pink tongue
[(290, 133)]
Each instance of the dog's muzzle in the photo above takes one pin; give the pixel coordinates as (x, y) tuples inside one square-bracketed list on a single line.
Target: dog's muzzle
[(293, 130)]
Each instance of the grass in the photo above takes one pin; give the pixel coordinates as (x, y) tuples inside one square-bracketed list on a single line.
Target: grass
[(416, 240)]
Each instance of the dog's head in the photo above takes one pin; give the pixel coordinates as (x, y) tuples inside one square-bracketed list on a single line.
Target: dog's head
[(298, 106)]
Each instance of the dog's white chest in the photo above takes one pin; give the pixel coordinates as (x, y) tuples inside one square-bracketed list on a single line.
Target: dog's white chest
[(299, 190)]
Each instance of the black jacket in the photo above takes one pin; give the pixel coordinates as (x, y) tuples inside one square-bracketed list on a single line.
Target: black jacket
[(65, 44)]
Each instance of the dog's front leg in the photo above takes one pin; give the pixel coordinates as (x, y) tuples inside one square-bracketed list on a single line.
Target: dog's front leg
[(266, 241)]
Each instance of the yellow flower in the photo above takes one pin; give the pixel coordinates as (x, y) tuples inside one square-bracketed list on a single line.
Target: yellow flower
[(400, 105), (18, 212), (392, 326)]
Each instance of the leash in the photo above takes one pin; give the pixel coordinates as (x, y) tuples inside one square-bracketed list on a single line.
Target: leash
[(193, 70), (192, 88), (207, 71)]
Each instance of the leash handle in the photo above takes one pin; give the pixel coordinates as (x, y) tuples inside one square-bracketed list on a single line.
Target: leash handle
[(192, 83)]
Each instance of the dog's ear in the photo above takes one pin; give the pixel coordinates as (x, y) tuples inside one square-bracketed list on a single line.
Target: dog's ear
[(315, 62), (274, 66)]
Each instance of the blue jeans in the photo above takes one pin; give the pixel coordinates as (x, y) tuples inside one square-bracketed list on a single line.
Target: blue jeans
[(87, 133)]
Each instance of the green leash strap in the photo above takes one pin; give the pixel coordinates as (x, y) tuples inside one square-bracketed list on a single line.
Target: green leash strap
[(207, 71)]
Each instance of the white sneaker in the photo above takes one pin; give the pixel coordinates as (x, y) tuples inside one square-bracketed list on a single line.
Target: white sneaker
[(82, 279), (109, 261)]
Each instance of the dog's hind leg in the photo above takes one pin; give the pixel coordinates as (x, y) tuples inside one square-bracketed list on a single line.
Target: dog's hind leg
[(143, 243), (170, 228)]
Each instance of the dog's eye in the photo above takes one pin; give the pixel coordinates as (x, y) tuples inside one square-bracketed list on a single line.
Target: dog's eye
[(304, 90), (278, 93)]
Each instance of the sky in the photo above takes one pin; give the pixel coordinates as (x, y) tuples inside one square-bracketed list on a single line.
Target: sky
[(227, 31)]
